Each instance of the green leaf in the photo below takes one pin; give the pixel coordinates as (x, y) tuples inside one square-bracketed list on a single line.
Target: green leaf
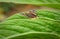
[(45, 26), (56, 6), (32, 2), (48, 3)]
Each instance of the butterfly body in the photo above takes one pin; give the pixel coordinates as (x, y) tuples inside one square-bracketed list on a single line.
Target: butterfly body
[(30, 14)]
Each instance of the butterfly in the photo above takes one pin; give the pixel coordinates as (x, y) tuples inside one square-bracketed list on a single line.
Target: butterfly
[(30, 14)]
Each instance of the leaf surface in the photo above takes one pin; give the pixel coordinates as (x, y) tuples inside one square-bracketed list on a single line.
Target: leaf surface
[(45, 26)]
